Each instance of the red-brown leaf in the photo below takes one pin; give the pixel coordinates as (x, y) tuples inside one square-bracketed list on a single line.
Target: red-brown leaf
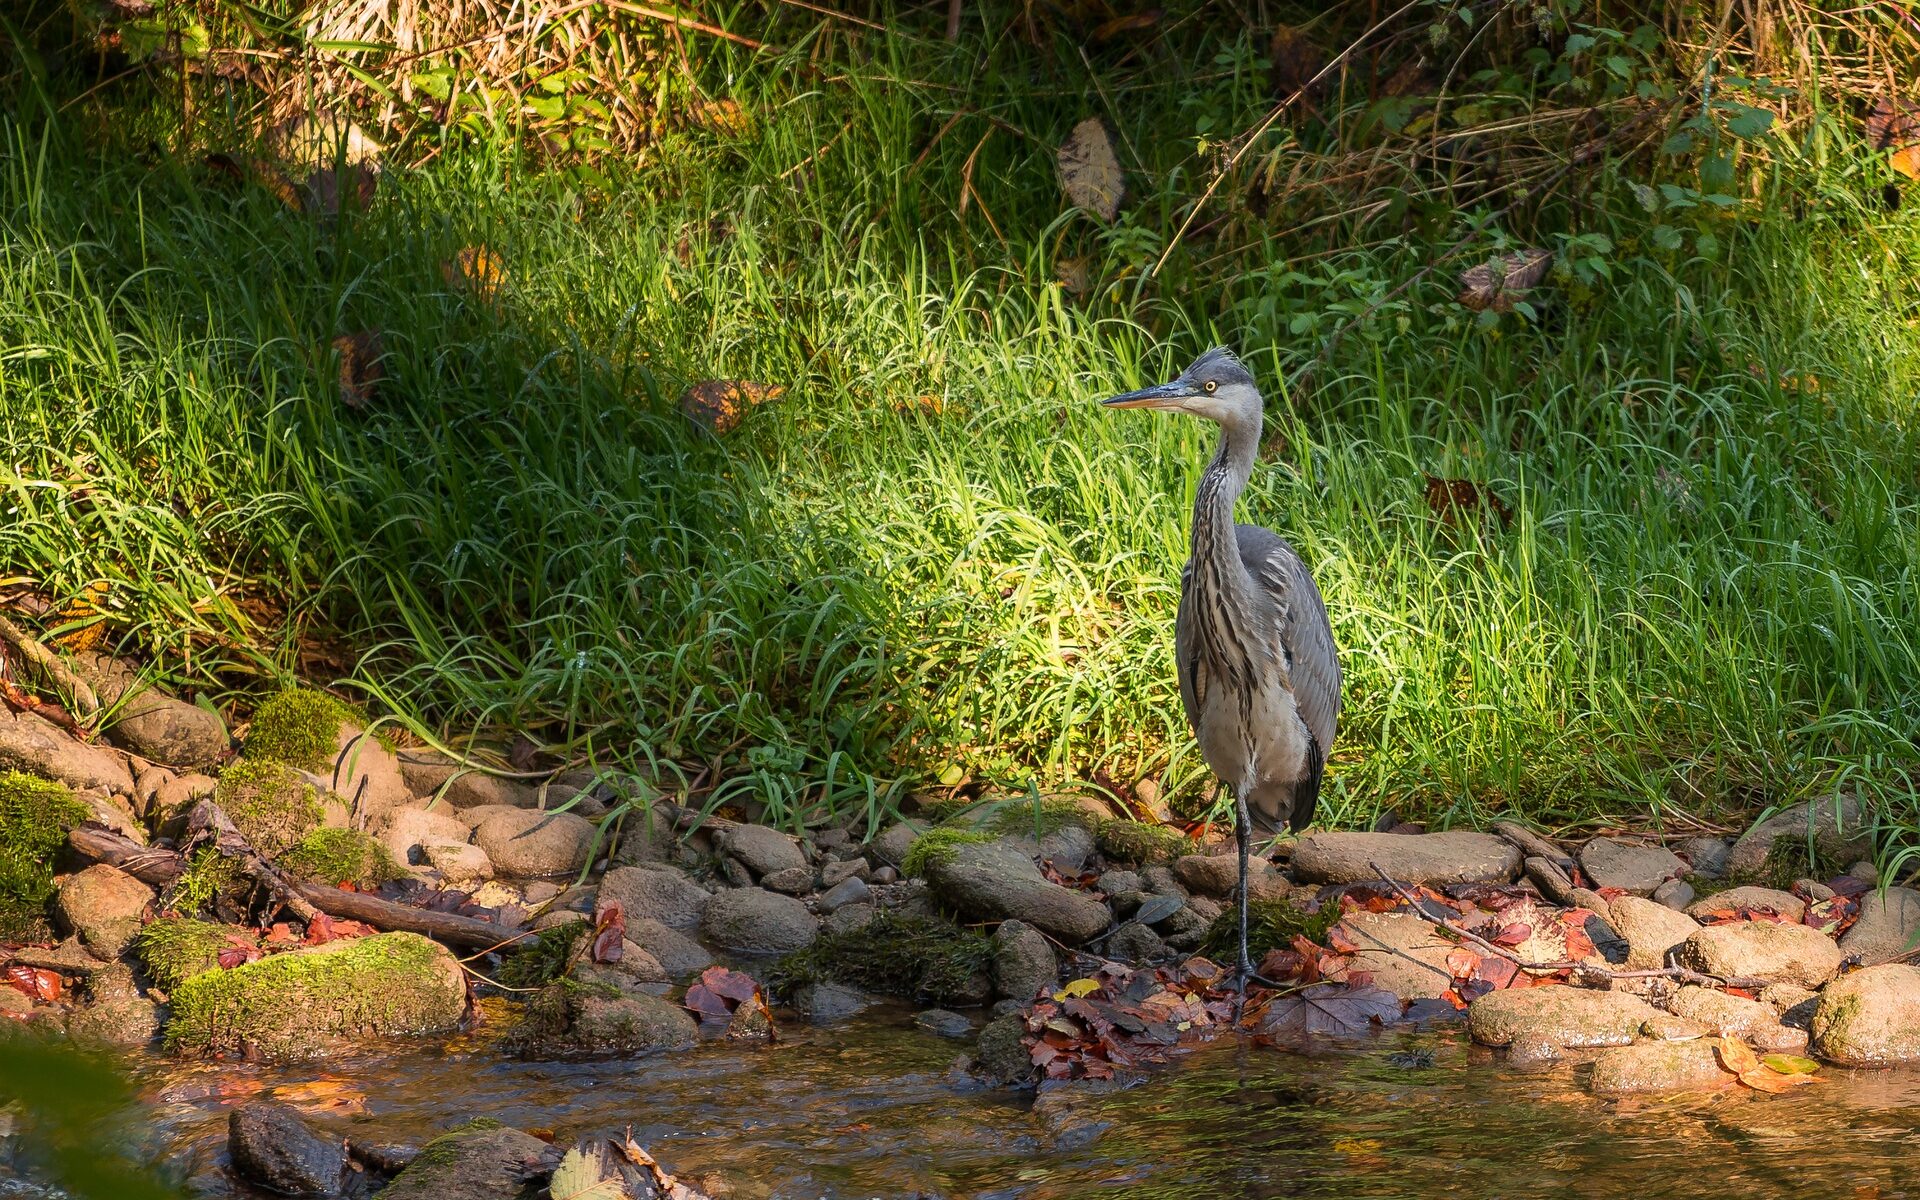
[(609, 933), (38, 982)]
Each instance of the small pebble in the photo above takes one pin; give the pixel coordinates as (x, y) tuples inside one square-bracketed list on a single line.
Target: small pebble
[(1674, 893), (944, 1022)]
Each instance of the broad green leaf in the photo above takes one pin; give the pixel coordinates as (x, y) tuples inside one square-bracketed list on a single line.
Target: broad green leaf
[(1746, 122), (1790, 1064)]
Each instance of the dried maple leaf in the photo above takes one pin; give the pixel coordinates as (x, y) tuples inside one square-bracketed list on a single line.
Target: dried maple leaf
[(361, 365), (1462, 963), (38, 982), (609, 933), (1504, 280), (1324, 1011), (720, 991), (1460, 502), (718, 405)]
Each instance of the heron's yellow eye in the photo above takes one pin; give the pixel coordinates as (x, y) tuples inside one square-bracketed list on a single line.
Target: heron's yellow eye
[(1209, 385)]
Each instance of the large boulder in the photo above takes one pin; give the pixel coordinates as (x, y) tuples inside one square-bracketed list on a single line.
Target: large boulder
[(1736, 1016), (1749, 897), (1023, 962), (1405, 954), (271, 1146), (1432, 859), (995, 881), (586, 1024), (146, 720), (761, 850), (1889, 926), (312, 1001), (1556, 1015), (527, 844), (1841, 829), (677, 953), (1628, 866), (312, 731), (482, 1161), (656, 893), (115, 1014), (1651, 930), (404, 831), (1870, 1018), (104, 906), (1661, 1066), (33, 745), (756, 921), (1766, 950)]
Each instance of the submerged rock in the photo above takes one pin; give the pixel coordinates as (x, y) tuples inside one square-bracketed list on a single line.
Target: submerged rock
[(271, 1146), (583, 1023), (1667, 1066), (308, 1002), (994, 881), (482, 1161), (1889, 926), (1432, 859), (1652, 930), (756, 921), (1558, 1015), (830, 1003), (1763, 950), (944, 1022), (1611, 863), (1870, 1018)]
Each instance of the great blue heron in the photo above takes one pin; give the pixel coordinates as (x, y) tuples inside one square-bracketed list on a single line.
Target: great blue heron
[(1259, 676)]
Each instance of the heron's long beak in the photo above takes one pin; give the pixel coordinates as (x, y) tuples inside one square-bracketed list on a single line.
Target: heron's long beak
[(1161, 395)]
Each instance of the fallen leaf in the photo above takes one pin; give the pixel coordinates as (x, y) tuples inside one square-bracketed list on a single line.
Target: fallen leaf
[(38, 982), (720, 404), (586, 1175), (361, 368), (1079, 987), (1765, 1079), (1789, 1064), (1089, 172), (1462, 963), (1736, 1055), (1159, 909), (1327, 1010), (720, 991), (476, 270), (609, 933), (1460, 502)]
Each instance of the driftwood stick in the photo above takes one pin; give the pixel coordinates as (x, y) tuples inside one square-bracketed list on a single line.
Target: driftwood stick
[(36, 652), (1533, 845), (1682, 974), (207, 822), (159, 868)]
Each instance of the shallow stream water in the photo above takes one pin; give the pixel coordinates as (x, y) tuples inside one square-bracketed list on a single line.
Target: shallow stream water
[(874, 1109)]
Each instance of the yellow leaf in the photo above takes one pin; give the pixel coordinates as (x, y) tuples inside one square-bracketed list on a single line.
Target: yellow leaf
[(1737, 1056), (1764, 1079), (1078, 988), (1790, 1064)]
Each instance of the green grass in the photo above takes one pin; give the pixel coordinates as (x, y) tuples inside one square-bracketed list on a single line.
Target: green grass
[(1707, 599)]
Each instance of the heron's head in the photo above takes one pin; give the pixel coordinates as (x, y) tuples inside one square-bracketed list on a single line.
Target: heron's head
[(1216, 387)]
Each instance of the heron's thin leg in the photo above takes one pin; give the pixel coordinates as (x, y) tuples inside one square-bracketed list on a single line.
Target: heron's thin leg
[(1243, 835)]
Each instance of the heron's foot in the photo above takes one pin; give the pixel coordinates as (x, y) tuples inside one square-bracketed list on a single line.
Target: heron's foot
[(1245, 974)]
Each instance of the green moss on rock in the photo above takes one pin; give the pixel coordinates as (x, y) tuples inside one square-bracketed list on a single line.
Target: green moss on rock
[(35, 815), (1139, 843), (336, 856), (937, 845), (1271, 925), (546, 958), (913, 957), (270, 803), (300, 727), (175, 949), (210, 876), (307, 1002)]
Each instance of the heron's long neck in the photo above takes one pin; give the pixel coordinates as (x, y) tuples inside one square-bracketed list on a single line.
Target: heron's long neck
[(1214, 542)]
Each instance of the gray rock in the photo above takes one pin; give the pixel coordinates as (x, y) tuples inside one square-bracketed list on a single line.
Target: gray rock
[(36, 746), (890, 848), (1405, 954), (1676, 894), (1812, 889), (1763, 950), (1160, 880), (598, 1026), (1215, 875), (1865, 870), (830, 1003), (1707, 856), (271, 1146), (1002, 1051), (458, 862), (429, 773), (679, 954), (638, 963), (837, 872), (147, 720), (794, 881), (533, 845), (996, 882), (1785, 904), (943, 1022), (403, 830), (366, 773), (1870, 1018), (104, 906), (755, 921), (1067, 848), (1135, 943), (884, 875), (474, 1164), (851, 890), (1889, 926), (1023, 963), (850, 918), (1432, 859), (656, 893), (1660, 1066), (1841, 829), (1638, 869), (1574, 1018), (1652, 930), (763, 851), (1115, 882)]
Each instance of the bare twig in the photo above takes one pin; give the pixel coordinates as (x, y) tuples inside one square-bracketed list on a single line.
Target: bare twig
[(62, 676)]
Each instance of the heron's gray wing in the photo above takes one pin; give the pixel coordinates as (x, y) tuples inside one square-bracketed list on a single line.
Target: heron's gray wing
[(1185, 654), (1306, 637)]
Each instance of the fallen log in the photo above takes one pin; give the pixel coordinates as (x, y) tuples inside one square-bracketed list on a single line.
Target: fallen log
[(159, 868)]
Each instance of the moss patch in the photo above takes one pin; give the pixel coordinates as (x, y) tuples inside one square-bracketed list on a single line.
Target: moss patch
[(175, 949), (937, 845), (1271, 925), (35, 815), (301, 727), (306, 1002), (545, 959), (336, 856), (270, 803), (209, 878), (1137, 842), (913, 957)]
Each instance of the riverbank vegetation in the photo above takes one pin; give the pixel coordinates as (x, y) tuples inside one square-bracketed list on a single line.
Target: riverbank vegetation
[(1629, 529)]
